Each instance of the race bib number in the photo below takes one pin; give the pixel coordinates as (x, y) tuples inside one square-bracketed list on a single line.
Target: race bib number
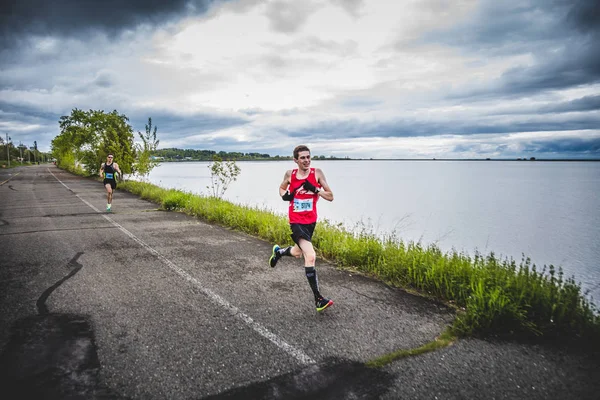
[(301, 205), (109, 175)]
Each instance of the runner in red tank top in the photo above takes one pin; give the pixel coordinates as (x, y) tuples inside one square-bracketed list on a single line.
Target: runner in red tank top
[(302, 187), (303, 207)]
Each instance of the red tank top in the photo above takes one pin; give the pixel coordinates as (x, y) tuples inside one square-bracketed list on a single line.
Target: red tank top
[(303, 208)]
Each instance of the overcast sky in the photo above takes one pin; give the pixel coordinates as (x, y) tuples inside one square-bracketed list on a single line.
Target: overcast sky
[(356, 78)]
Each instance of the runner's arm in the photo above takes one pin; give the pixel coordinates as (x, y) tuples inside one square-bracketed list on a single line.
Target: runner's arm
[(118, 170), (286, 183), (325, 192), (102, 170)]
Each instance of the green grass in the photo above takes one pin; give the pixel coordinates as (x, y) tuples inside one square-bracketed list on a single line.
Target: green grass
[(491, 295), (4, 164)]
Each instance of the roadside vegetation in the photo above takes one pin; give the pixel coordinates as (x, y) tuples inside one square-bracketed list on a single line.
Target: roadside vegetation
[(12, 155), (86, 137), (222, 174), (491, 295)]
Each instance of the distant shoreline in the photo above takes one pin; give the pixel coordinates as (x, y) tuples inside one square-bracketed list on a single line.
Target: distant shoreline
[(176, 155), (404, 159), (476, 159)]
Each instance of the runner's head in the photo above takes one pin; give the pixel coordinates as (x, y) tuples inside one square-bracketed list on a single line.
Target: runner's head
[(109, 157), (302, 157), (300, 148)]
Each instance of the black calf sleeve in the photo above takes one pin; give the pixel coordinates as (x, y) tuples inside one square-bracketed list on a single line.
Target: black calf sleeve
[(311, 275)]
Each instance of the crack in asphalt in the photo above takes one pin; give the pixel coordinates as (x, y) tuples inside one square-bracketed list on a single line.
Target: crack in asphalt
[(41, 303)]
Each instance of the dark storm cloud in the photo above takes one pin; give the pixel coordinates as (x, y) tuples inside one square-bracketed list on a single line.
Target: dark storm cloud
[(583, 104), (587, 103), (178, 126), (62, 18), (562, 37), (44, 125), (590, 147), (575, 64), (25, 113), (41, 126), (585, 15), (458, 126), (503, 28), (573, 148)]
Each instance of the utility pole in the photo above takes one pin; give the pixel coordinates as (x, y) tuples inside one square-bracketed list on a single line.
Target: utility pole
[(7, 149)]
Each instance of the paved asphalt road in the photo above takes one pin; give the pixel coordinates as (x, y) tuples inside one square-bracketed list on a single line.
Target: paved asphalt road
[(146, 304)]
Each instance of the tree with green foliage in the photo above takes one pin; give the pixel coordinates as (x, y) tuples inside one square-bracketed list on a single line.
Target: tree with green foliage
[(221, 175), (145, 162), (87, 136)]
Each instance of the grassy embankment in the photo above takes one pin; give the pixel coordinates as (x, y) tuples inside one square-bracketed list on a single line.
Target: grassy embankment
[(491, 295), (13, 164)]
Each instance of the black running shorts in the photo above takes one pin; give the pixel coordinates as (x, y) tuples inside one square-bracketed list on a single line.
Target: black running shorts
[(302, 231), (113, 183)]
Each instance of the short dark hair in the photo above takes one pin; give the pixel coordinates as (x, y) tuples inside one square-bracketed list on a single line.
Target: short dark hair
[(298, 149), (110, 154)]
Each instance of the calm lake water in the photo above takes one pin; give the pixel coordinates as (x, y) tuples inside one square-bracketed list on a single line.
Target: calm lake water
[(548, 211)]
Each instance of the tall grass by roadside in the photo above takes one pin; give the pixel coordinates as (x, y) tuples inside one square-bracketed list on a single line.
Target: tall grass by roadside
[(492, 295)]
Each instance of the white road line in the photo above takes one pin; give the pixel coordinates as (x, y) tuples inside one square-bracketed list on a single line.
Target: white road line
[(2, 183), (215, 298)]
